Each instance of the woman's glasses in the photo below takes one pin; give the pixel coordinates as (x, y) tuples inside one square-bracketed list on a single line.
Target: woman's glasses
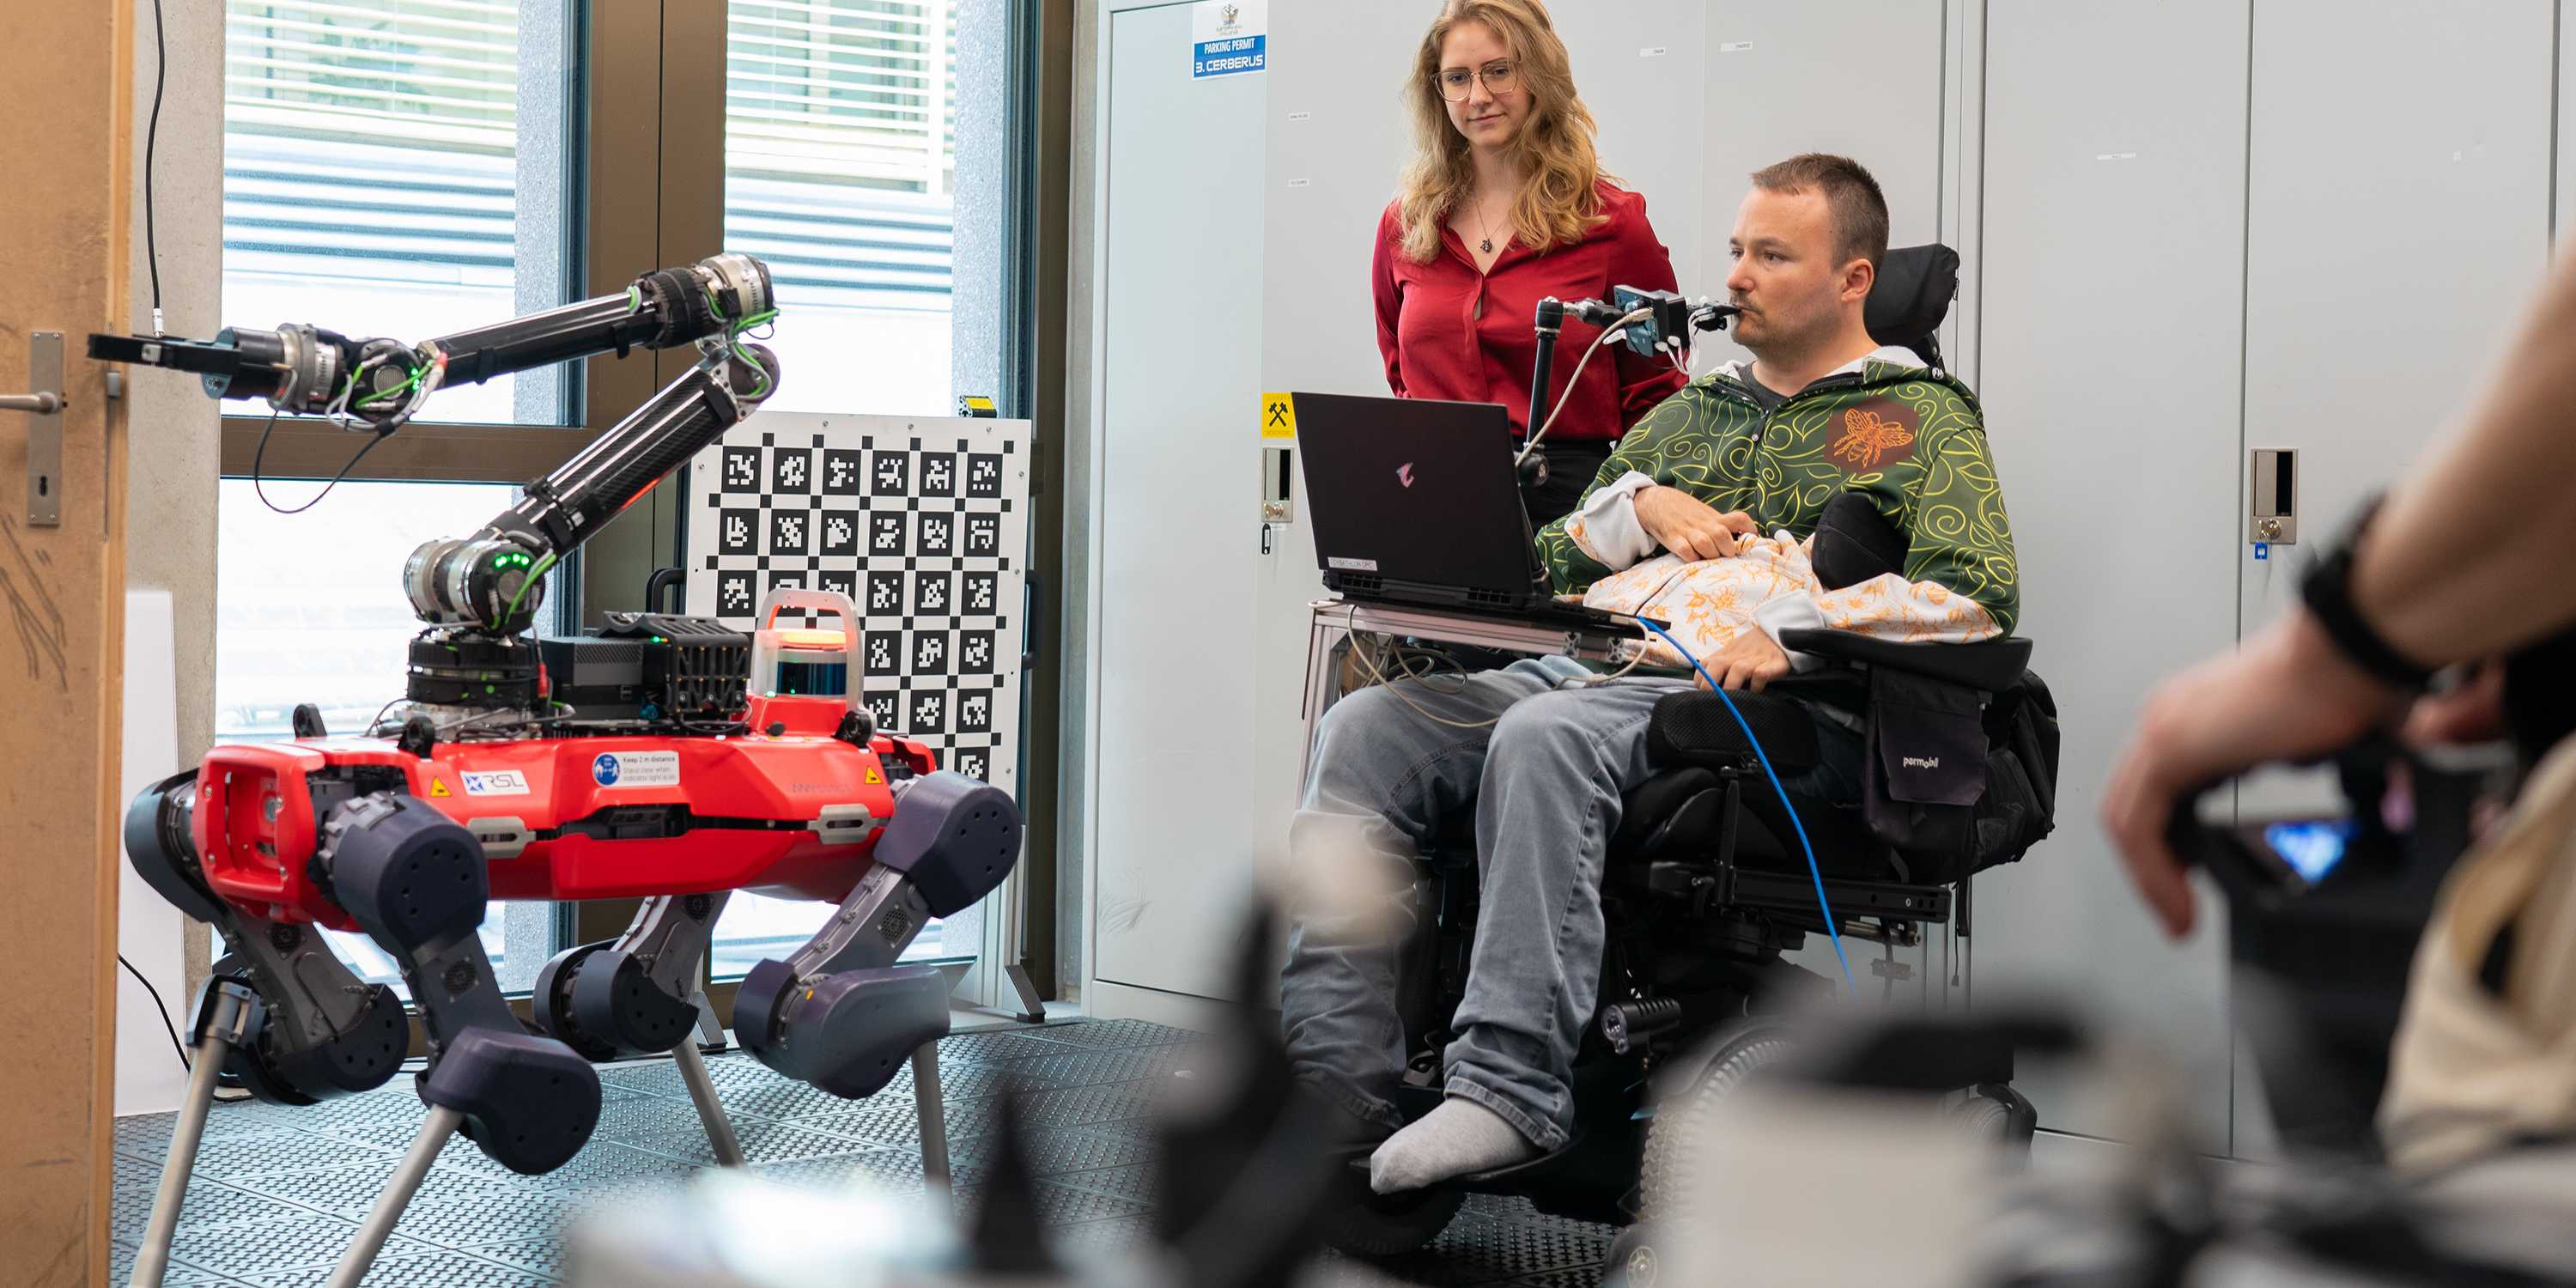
[(1456, 83)]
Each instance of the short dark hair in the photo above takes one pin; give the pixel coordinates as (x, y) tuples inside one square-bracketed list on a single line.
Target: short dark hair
[(1859, 209)]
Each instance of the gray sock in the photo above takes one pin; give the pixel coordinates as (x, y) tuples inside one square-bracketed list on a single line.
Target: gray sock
[(1459, 1137)]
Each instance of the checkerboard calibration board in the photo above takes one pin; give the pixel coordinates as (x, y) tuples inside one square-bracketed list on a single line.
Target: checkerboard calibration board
[(922, 522)]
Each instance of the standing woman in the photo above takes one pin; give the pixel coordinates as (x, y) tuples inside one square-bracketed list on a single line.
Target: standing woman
[(1505, 204)]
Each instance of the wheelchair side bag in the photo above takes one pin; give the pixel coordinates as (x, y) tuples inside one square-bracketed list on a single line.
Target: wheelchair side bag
[(1947, 778)]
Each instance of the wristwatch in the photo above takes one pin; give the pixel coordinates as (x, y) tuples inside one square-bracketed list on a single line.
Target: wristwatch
[(2327, 592)]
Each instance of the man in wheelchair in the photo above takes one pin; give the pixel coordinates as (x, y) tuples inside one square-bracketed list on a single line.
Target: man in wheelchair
[(1825, 429)]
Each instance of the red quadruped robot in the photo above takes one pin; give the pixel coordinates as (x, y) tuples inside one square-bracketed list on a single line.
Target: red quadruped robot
[(672, 758)]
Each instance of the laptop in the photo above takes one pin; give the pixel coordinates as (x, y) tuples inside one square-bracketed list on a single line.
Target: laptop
[(1417, 503)]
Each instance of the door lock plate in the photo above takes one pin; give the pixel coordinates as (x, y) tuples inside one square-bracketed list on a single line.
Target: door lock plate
[(2272, 499)]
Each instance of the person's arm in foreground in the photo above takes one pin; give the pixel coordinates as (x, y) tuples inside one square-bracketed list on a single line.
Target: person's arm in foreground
[(2466, 560)]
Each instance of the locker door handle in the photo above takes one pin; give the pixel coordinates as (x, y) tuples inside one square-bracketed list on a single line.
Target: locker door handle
[(2272, 501)]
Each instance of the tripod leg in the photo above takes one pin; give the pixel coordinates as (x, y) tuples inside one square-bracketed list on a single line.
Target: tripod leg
[(702, 1092), (434, 1131), (227, 1017), (1032, 1006)]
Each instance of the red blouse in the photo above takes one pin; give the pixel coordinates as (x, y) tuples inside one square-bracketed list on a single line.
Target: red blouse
[(1450, 332)]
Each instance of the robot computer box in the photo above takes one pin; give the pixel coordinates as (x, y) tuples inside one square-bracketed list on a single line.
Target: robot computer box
[(921, 521)]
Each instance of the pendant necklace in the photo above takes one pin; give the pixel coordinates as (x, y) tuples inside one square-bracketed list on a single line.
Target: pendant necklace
[(1487, 245)]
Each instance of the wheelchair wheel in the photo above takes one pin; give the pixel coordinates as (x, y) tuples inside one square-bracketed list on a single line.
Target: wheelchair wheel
[(1995, 1112), (1636, 1258), (1735, 1054), (1365, 1223)]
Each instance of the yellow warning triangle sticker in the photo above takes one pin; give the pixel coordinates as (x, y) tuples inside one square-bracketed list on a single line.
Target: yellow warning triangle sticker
[(438, 787), (874, 778)]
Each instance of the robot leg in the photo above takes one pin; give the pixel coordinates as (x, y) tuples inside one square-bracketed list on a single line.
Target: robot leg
[(416, 881), (839, 1013), (637, 995), (316, 1030)]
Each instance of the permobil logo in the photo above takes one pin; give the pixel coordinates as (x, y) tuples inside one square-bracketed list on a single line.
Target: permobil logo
[(1404, 474), (1922, 762)]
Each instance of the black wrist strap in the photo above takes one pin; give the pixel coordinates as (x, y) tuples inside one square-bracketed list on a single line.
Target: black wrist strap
[(2327, 591)]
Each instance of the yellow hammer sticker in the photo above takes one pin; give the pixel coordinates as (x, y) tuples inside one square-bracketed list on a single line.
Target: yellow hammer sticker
[(875, 779), (438, 787), (1278, 415)]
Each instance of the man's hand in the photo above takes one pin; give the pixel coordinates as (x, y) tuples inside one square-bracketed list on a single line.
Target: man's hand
[(1688, 526), (2469, 713), (2286, 696), (1751, 662)]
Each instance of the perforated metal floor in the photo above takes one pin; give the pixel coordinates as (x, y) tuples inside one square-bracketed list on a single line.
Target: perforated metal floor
[(277, 1192)]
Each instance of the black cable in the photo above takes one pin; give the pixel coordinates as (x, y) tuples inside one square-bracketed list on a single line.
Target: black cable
[(173, 1030), (151, 143), (175, 1044), (261, 454)]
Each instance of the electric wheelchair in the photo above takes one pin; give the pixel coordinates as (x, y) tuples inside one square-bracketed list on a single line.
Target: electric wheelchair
[(1706, 887)]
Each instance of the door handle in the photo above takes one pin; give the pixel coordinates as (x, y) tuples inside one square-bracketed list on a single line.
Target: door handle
[(44, 410)]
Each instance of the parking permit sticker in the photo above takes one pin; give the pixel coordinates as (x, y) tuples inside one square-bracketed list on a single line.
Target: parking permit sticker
[(496, 782), (636, 769)]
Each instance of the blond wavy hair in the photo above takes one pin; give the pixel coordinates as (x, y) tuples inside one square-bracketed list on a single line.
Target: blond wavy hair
[(1560, 202)]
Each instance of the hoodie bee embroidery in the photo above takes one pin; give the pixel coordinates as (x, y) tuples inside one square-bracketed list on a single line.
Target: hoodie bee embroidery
[(1867, 438)]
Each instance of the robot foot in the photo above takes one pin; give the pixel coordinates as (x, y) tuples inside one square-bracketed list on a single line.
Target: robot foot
[(416, 881), (848, 1033), (840, 1013)]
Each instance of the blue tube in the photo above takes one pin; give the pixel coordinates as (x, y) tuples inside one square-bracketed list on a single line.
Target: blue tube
[(1832, 928)]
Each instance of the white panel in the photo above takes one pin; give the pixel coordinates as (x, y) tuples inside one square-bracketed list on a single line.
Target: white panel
[(2563, 206), (1856, 77), (1642, 67), (2112, 293), (1179, 531), (2395, 240), (150, 934)]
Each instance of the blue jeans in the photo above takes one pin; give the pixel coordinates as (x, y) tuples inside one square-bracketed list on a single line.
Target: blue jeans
[(1545, 780)]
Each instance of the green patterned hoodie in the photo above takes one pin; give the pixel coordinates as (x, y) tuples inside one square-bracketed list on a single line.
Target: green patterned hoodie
[(1909, 437)]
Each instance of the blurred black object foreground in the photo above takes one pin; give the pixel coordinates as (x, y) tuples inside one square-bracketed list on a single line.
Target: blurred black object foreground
[(2157, 1212), (1238, 1182)]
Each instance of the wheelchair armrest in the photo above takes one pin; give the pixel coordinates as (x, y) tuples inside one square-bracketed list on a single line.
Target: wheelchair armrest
[(1989, 666)]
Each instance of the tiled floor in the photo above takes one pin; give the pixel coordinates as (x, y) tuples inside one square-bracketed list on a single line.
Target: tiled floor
[(278, 1192)]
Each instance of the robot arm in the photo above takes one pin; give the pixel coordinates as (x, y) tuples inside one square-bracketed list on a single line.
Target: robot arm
[(492, 581), (379, 384)]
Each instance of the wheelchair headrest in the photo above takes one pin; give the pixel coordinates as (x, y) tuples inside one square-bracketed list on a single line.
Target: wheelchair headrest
[(1913, 293)]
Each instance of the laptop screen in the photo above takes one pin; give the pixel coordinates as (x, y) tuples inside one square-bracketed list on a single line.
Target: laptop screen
[(1414, 491)]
